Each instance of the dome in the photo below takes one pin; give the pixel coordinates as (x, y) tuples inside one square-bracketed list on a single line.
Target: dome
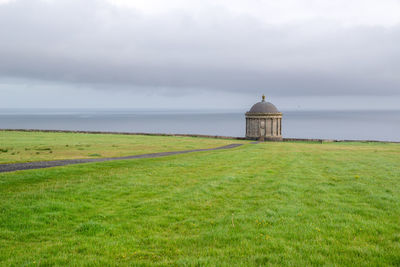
[(263, 107)]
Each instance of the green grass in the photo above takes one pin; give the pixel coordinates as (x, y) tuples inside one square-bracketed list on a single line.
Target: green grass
[(38, 146), (293, 204)]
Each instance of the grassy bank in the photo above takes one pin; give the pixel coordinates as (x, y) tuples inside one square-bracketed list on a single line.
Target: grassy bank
[(296, 204), (37, 146)]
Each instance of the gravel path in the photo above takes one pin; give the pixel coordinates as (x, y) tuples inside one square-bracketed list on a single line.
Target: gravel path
[(47, 164)]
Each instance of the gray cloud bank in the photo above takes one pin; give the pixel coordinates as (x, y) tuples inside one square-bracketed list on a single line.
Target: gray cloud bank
[(97, 44)]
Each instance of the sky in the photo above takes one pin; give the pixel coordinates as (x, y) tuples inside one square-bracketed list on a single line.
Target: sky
[(200, 54)]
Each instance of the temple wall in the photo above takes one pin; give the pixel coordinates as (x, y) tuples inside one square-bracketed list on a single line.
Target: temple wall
[(267, 125)]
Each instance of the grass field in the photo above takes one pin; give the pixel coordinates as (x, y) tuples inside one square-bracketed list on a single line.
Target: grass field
[(38, 146), (297, 204)]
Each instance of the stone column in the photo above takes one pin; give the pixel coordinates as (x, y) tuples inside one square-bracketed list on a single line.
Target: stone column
[(272, 126), (274, 133)]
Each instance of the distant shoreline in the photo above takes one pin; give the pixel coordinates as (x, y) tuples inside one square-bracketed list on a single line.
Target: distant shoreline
[(197, 135)]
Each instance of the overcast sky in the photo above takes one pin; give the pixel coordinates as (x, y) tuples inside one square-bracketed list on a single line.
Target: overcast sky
[(302, 54)]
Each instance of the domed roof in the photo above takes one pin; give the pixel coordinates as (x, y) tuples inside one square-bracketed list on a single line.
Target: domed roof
[(263, 107)]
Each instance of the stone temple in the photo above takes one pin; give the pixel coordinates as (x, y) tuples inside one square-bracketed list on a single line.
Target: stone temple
[(264, 122)]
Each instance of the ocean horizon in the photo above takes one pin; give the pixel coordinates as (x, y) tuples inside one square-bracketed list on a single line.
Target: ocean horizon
[(383, 125)]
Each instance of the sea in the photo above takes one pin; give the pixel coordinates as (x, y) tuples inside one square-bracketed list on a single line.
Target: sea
[(383, 125)]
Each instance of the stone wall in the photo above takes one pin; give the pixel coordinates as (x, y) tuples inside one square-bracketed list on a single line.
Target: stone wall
[(264, 125)]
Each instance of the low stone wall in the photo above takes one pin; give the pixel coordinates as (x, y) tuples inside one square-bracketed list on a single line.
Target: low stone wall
[(201, 136), (334, 140)]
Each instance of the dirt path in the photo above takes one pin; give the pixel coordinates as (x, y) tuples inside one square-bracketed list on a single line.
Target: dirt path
[(47, 164)]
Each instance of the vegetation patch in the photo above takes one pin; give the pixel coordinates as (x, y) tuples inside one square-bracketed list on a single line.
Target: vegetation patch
[(91, 228), (77, 145), (268, 204), (43, 148)]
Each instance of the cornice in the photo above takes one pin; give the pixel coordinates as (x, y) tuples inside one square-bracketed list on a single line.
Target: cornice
[(257, 115)]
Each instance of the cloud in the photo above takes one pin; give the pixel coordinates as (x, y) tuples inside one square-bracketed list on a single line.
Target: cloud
[(111, 45), (344, 12)]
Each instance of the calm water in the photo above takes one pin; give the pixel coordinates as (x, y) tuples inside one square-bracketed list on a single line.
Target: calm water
[(377, 125)]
